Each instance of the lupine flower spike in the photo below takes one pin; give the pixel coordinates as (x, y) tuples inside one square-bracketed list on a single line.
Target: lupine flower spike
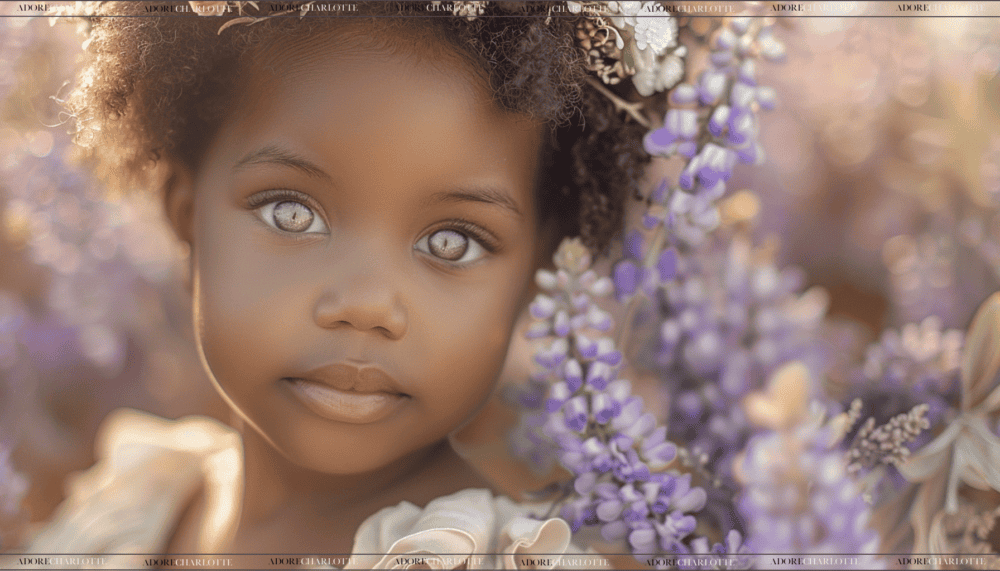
[(583, 414)]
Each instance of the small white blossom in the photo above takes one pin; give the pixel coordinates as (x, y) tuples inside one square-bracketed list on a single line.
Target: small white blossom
[(655, 31), (653, 75)]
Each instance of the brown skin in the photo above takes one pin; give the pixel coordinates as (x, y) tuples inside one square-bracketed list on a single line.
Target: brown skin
[(406, 146)]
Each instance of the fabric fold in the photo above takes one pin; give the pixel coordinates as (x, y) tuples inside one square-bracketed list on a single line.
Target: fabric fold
[(470, 528), (150, 469)]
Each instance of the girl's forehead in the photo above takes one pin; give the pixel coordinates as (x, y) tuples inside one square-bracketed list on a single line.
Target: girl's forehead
[(318, 83), (380, 120)]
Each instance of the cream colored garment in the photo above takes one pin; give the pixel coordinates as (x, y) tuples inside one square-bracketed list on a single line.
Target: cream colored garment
[(442, 535), (149, 469)]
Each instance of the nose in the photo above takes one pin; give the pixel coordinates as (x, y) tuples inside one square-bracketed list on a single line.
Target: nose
[(365, 300)]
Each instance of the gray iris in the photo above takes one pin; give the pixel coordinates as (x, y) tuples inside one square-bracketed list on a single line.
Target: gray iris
[(448, 244), (292, 216)]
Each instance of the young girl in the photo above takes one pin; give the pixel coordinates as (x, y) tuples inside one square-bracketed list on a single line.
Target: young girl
[(366, 200)]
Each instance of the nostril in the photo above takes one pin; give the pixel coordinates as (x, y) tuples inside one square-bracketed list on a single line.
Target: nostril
[(368, 310)]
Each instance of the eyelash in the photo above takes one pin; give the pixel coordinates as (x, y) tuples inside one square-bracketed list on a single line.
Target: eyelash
[(261, 199), (487, 240)]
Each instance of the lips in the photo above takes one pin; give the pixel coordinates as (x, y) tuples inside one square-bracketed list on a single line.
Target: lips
[(345, 377), (346, 393)]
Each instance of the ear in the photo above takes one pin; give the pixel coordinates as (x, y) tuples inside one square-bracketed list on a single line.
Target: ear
[(178, 201)]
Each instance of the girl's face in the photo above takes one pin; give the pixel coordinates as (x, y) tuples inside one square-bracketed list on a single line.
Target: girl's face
[(363, 238)]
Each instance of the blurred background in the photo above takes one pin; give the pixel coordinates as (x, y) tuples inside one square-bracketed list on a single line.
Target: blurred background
[(882, 184), (94, 312)]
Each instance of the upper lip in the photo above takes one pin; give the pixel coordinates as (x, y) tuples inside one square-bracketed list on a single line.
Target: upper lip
[(351, 378)]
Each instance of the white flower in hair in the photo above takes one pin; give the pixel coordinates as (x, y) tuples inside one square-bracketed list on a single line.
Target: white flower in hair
[(654, 75), (647, 33), (655, 29), (625, 13)]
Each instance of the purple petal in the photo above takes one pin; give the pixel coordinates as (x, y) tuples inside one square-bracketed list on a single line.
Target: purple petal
[(626, 278), (599, 375), (718, 120), (619, 390), (687, 149), (560, 393), (720, 59), (662, 454), (692, 501), (658, 142), (643, 540), (767, 97), (602, 287), (603, 408), (748, 154), (585, 347), (634, 244), (726, 39), (611, 357), (687, 176), (609, 510), (644, 425), (667, 264), (573, 373), (543, 307), (614, 531), (585, 483), (575, 410), (607, 353), (747, 73), (683, 94), (538, 330), (560, 324), (661, 191), (599, 319)]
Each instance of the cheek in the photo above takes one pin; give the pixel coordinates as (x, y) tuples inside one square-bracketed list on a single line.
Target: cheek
[(466, 346), (242, 311)]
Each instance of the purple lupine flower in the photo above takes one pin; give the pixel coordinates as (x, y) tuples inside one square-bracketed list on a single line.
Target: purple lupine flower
[(709, 351), (727, 322), (596, 428), (806, 503), (732, 554), (728, 89)]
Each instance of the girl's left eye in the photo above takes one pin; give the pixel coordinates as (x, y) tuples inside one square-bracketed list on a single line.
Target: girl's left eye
[(451, 246), (291, 216)]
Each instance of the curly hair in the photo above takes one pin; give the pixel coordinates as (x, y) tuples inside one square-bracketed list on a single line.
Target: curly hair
[(160, 87)]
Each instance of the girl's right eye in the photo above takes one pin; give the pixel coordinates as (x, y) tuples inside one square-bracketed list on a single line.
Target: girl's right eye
[(290, 214)]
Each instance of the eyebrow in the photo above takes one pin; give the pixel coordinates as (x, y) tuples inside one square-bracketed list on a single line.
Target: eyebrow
[(485, 194), (277, 155)]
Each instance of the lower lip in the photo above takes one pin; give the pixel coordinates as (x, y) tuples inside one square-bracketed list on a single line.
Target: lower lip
[(345, 406)]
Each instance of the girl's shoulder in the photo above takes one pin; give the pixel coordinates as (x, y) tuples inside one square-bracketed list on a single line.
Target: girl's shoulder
[(148, 470), (471, 527)]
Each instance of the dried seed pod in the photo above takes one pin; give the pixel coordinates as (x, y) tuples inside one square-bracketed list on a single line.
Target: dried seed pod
[(604, 58)]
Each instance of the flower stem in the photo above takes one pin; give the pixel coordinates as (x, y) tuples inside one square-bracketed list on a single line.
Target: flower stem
[(655, 247), (633, 109)]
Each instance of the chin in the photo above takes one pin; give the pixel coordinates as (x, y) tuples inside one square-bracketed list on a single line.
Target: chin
[(340, 448)]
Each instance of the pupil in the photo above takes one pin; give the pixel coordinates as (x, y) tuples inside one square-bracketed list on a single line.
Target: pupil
[(292, 216), (448, 244)]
